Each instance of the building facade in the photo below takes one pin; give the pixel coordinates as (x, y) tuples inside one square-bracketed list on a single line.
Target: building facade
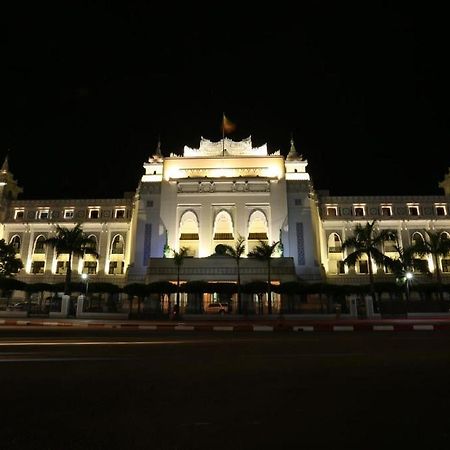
[(209, 196)]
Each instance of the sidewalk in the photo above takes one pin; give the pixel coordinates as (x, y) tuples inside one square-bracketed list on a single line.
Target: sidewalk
[(261, 325)]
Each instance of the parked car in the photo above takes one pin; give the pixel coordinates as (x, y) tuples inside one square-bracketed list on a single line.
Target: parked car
[(216, 308)]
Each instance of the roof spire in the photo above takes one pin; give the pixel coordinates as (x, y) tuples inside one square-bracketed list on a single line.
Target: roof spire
[(5, 166), (157, 156), (293, 151)]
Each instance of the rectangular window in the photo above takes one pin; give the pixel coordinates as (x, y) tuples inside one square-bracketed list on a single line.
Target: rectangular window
[(359, 211), (446, 265), (116, 267), (61, 267), (90, 267), (18, 214), (363, 266), (43, 214), (441, 211), (94, 213), (149, 203), (386, 210), (120, 213), (332, 211), (341, 267), (298, 202), (68, 214), (37, 267), (413, 210)]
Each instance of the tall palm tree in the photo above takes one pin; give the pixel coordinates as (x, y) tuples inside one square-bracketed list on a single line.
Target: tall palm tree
[(406, 263), (9, 263), (265, 252), (366, 241), (437, 245), (75, 242), (178, 257), (236, 252)]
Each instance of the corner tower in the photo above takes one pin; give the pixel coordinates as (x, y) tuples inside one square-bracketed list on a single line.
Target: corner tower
[(299, 234)]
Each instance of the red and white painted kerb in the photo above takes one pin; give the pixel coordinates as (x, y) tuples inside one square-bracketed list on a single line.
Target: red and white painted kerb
[(280, 326)]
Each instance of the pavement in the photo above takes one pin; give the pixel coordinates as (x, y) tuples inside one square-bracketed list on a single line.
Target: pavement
[(260, 325)]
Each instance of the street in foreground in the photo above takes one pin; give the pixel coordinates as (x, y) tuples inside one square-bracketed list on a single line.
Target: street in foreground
[(100, 389)]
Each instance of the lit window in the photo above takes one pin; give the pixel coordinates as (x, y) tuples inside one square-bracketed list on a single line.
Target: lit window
[(68, 213), (18, 214), (37, 267), (386, 210), (94, 213), (43, 214), (363, 266), (120, 213), (90, 267), (446, 265), (413, 210), (332, 211)]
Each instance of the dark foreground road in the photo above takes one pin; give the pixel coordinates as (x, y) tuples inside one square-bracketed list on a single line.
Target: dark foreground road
[(63, 390)]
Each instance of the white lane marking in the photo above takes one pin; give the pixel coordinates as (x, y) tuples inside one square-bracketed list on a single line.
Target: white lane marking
[(61, 343), (343, 328), (223, 328), (303, 328), (62, 359), (423, 327), (383, 328), (262, 328)]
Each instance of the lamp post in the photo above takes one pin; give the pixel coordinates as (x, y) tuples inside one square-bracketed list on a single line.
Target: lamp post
[(409, 277), (85, 278)]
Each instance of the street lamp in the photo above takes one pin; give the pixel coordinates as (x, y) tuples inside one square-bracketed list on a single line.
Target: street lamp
[(85, 278), (409, 277)]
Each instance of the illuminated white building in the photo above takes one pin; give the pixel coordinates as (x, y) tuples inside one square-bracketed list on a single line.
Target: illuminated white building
[(208, 196)]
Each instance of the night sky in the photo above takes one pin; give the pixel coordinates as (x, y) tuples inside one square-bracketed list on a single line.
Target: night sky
[(86, 91)]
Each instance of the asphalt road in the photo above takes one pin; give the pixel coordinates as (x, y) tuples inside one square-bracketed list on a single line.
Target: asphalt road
[(110, 389)]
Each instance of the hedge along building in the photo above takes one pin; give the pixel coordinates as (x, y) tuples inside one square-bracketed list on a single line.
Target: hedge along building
[(208, 196)]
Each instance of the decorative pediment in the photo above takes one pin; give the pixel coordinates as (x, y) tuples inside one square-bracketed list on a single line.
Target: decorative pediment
[(225, 147)]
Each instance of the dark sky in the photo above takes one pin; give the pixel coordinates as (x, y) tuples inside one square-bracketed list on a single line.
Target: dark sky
[(87, 89)]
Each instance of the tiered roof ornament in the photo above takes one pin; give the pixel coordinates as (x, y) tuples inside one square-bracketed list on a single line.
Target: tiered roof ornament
[(293, 154)]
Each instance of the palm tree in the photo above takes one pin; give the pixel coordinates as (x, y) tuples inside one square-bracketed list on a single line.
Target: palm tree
[(178, 257), (236, 252), (74, 242), (9, 263), (437, 245), (366, 241), (265, 252), (405, 265)]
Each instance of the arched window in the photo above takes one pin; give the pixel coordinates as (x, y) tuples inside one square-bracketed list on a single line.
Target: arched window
[(417, 238), (223, 226), (334, 243), (38, 257), (257, 226), (117, 245), (189, 226), (15, 242), (117, 256), (189, 232), (90, 261), (39, 245)]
